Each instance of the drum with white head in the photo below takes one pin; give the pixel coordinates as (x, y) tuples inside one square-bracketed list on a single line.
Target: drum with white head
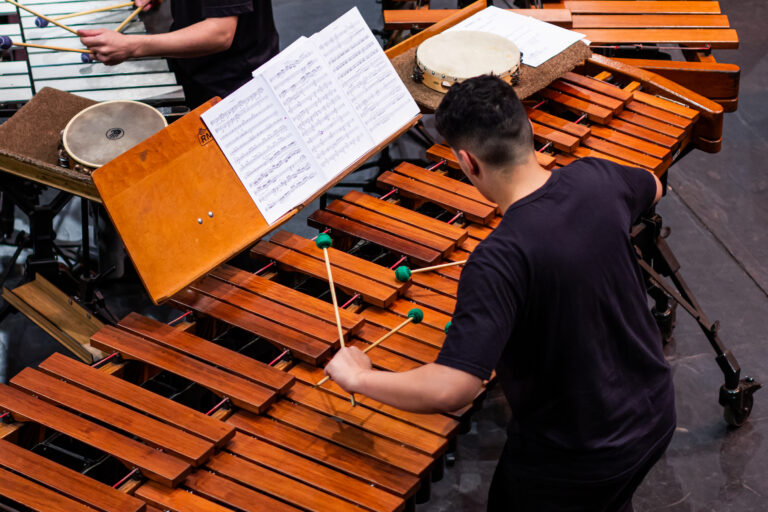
[(456, 55), (103, 131)]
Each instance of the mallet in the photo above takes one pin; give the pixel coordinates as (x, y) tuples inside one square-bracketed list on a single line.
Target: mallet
[(42, 23), (415, 316), (41, 16), (6, 43), (403, 273), (323, 241), (128, 19)]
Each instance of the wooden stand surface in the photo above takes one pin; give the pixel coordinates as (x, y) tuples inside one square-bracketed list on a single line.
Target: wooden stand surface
[(180, 208), (58, 315)]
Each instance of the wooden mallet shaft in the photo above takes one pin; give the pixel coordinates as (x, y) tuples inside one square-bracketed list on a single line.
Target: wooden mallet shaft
[(129, 19), (403, 273), (390, 333), (45, 47), (42, 16), (435, 267), (93, 11), (324, 241)]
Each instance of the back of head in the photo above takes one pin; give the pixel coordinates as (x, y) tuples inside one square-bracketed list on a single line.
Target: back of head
[(484, 116)]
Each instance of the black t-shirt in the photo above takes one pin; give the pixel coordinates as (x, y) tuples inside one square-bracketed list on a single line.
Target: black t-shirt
[(554, 300), (255, 42)]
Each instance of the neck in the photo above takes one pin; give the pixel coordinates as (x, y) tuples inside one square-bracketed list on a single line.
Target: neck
[(519, 181)]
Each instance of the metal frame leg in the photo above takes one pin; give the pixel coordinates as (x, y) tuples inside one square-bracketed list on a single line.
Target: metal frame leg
[(658, 262)]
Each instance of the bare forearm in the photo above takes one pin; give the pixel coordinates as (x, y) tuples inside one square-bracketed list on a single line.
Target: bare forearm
[(209, 36), (427, 389)]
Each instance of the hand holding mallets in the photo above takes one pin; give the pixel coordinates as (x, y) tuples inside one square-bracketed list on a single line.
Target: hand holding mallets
[(415, 316)]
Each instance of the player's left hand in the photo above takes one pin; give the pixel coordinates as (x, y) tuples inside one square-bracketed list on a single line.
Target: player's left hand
[(347, 367), (108, 46)]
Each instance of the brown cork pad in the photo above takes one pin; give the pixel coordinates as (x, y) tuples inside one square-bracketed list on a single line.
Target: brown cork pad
[(32, 135), (531, 79)]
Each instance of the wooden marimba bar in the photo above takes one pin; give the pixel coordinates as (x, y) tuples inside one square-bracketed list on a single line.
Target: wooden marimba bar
[(181, 423), (644, 33)]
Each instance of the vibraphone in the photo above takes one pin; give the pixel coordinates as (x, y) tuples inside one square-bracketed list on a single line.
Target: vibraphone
[(32, 69), (211, 425), (645, 34)]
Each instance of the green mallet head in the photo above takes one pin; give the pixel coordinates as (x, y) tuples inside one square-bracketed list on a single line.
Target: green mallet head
[(402, 273), (448, 326), (323, 241), (417, 315)]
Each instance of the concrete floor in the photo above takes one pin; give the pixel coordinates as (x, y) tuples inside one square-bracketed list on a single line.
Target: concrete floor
[(718, 210)]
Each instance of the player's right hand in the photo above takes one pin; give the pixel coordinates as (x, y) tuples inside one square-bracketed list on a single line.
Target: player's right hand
[(146, 4)]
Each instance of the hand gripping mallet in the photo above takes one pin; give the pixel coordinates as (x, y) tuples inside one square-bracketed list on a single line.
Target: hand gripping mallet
[(415, 316)]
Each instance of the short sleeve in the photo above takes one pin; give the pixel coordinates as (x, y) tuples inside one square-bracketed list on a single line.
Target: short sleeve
[(641, 189), (489, 297), (224, 8)]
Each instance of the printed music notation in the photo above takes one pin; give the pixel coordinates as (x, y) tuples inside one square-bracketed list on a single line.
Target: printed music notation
[(263, 147), (329, 125), (366, 75), (310, 113), (537, 40)]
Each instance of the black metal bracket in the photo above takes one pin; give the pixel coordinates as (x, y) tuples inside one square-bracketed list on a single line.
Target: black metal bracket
[(666, 286), (72, 273)]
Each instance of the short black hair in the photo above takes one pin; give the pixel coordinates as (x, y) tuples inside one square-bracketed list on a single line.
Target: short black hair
[(485, 116)]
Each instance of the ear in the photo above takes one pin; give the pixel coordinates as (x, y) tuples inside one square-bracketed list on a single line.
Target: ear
[(467, 162)]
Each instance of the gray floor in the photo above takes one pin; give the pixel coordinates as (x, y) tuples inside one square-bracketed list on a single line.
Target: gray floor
[(717, 209)]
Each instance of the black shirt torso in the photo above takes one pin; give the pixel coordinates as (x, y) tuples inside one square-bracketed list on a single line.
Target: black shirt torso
[(554, 300), (255, 42)]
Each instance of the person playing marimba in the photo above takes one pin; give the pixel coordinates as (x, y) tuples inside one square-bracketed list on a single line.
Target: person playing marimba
[(554, 301), (214, 45)]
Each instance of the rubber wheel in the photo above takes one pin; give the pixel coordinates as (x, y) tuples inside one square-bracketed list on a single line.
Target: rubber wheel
[(666, 323), (737, 416)]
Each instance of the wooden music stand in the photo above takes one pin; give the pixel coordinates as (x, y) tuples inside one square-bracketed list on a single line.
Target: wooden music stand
[(180, 208)]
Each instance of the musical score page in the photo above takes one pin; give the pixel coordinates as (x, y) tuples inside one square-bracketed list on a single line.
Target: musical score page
[(537, 40), (306, 117), (263, 147), (318, 106), (365, 73)]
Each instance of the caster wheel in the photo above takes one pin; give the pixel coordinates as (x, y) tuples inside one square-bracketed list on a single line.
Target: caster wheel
[(450, 459), (666, 321), (736, 416)]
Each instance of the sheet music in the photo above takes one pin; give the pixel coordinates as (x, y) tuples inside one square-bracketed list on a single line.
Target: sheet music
[(539, 41), (263, 147), (366, 74), (318, 107)]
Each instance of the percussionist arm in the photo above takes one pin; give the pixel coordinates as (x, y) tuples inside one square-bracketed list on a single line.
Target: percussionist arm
[(428, 389)]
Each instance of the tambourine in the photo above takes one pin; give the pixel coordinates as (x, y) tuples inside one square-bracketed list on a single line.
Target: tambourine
[(454, 56)]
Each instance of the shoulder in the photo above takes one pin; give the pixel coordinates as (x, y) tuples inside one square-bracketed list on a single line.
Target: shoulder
[(499, 255)]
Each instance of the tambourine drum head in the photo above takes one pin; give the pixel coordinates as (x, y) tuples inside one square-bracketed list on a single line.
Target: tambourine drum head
[(456, 55), (104, 131)]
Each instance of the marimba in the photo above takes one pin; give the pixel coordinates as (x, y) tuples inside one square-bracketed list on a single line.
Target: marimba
[(32, 69), (229, 418), (645, 34)]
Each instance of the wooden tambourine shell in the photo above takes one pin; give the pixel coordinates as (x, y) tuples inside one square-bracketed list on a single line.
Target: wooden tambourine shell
[(456, 55), (102, 132)]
